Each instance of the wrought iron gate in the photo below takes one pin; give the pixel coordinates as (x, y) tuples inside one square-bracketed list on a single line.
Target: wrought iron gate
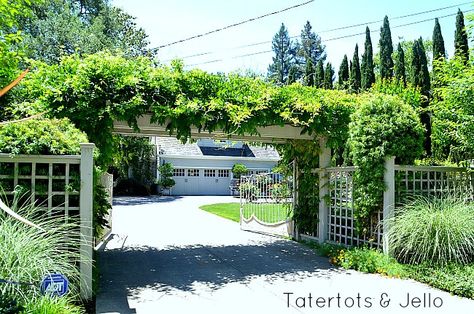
[(266, 203)]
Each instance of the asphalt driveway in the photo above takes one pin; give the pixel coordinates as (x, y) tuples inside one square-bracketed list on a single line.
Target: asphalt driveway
[(167, 256)]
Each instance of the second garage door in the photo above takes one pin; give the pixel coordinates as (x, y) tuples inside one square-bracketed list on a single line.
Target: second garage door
[(193, 181)]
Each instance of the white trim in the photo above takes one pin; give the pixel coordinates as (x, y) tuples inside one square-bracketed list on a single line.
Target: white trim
[(202, 157)]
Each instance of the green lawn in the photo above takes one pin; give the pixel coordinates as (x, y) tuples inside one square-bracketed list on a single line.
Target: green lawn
[(227, 210), (270, 212)]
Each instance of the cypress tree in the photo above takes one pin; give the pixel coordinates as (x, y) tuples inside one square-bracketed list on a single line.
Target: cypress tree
[(319, 76), (400, 70), (419, 65), (386, 50), (343, 73), (461, 47), (421, 79), (367, 66), (328, 76), (309, 73), (439, 50), (283, 60), (355, 71), (292, 74)]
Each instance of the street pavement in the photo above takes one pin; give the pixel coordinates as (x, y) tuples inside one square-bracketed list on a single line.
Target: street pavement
[(165, 255)]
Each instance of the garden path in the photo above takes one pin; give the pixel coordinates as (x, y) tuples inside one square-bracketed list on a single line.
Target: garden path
[(167, 256)]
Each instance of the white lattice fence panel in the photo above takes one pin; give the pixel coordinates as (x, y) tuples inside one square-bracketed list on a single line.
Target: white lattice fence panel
[(342, 229), (49, 182), (431, 181)]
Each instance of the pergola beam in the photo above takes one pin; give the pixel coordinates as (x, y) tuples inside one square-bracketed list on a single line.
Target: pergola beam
[(267, 134)]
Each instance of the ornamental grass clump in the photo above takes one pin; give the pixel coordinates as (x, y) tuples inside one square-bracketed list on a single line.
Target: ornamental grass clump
[(433, 231), (28, 254)]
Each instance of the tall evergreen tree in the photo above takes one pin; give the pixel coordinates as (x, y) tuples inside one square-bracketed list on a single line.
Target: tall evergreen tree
[(439, 50), (283, 60), (421, 79), (319, 76), (309, 73), (311, 46), (386, 50), (461, 47), (343, 74), (355, 71), (419, 66), (400, 69), (292, 75), (328, 76), (367, 65)]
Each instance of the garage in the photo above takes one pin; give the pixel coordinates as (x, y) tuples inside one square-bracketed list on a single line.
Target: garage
[(204, 167)]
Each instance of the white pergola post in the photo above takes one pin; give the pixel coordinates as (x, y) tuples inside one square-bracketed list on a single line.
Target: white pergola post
[(86, 201), (388, 198), (324, 162)]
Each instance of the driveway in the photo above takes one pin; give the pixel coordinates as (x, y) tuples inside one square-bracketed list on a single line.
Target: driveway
[(167, 256)]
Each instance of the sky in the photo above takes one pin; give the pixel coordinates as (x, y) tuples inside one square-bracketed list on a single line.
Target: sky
[(172, 20)]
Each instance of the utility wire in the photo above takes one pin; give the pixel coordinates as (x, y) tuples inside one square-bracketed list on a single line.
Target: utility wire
[(340, 37), (235, 24), (333, 29)]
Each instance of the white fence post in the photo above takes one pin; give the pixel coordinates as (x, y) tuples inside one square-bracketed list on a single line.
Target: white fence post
[(324, 162), (86, 202), (388, 198)]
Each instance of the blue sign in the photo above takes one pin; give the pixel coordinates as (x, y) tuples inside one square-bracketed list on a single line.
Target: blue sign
[(54, 285)]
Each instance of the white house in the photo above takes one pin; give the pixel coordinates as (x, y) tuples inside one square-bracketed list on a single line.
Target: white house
[(204, 167)]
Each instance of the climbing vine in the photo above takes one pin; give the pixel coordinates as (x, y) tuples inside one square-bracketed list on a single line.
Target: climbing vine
[(381, 127), (96, 90)]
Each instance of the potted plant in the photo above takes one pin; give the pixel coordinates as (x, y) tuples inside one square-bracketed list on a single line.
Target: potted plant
[(166, 181)]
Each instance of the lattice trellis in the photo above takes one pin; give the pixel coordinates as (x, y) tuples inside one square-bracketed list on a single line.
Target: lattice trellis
[(431, 181), (340, 212), (50, 182)]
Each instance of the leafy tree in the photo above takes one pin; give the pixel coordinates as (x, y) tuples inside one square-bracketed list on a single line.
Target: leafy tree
[(319, 75), (438, 42), (284, 59), (311, 46), (328, 76), (453, 111), (386, 50), (461, 47), (309, 73), (355, 71), (400, 70), (292, 75), (367, 65), (58, 27), (343, 74)]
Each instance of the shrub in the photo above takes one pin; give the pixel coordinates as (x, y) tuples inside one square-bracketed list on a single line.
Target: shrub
[(381, 127), (27, 254), (435, 230), (238, 170), (41, 137), (249, 191), (166, 176)]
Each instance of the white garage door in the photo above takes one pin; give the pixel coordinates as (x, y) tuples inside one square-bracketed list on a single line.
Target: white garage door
[(192, 181)]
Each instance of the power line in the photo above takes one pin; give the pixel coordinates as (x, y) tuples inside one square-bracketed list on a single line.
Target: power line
[(334, 29), (341, 37), (235, 24)]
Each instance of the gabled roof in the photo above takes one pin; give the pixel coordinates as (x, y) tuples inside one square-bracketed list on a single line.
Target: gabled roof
[(170, 146)]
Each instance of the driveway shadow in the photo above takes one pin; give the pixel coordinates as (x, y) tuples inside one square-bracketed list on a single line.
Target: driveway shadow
[(142, 200), (128, 270)]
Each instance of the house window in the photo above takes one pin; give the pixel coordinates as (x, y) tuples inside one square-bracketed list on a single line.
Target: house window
[(193, 172), (224, 173), (209, 172), (178, 172)]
